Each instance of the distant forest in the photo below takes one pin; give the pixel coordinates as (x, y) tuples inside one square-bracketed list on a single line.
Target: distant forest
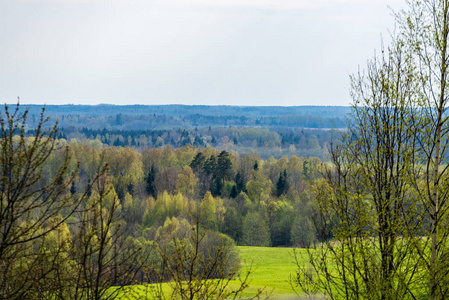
[(305, 131), (185, 110)]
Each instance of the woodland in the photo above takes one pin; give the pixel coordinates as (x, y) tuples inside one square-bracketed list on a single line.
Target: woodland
[(275, 131), (87, 219)]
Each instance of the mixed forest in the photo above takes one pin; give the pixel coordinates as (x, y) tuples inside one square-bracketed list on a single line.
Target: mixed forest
[(268, 131), (118, 215)]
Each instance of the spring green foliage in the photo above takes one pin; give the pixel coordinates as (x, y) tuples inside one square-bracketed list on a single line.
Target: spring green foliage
[(161, 183), (138, 222), (56, 241), (132, 221), (255, 230), (381, 209)]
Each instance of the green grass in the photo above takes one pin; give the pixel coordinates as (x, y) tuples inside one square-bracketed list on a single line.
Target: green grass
[(273, 268)]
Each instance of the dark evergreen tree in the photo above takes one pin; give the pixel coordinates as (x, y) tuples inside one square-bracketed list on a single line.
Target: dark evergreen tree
[(210, 166), (282, 184), (117, 143), (240, 183), (217, 186), (234, 193), (150, 181), (198, 162), (224, 165)]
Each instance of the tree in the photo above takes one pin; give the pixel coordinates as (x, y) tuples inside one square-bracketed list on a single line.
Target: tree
[(224, 165), (44, 227), (166, 180), (420, 71), (125, 168), (302, 232), (255, 230), (198, 162), (28, 201), (210, 169), (259, 186), (104, 256), (365, 204), (280, 220), (425, 29), (186, 182), (234, 193), (240, 183), (282, 184), (232, 223), (150, 181)]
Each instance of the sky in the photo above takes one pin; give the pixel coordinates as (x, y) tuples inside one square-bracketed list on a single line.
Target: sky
[(205, 52)]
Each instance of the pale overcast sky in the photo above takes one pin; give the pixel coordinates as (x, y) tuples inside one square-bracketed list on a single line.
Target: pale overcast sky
[(233, 52)]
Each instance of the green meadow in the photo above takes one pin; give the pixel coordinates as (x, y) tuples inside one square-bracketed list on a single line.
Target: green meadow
[(271, 269)]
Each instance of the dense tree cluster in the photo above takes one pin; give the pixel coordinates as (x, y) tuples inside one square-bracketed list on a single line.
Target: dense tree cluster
[(82, 219), (241, 195)]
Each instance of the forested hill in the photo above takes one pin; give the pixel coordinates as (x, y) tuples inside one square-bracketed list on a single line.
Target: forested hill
[(152, 117)]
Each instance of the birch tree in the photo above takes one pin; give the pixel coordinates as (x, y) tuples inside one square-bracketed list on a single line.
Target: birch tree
[(425, 28)]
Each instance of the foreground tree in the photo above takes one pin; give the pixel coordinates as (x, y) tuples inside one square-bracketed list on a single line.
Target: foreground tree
[(56, 243), (106, 259), (425, 28), (392, 171), (29, 200), (367, 216), (364, 204)]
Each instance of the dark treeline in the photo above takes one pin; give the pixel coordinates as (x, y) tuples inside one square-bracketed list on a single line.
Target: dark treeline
[(275, 142), (162, 121), (139, 117)]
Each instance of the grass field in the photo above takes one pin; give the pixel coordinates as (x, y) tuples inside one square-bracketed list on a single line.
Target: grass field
[(273, 268)]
